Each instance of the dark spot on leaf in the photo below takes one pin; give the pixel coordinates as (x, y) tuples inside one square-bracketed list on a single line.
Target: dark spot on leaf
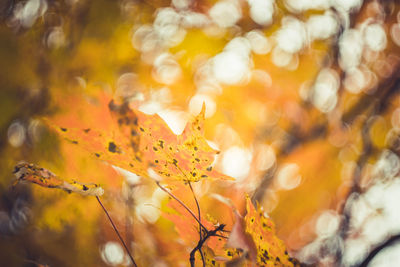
[(213, 262), (133, 133), (198, 128), (154, 148), (131, 165), (85, 188), (121, 109), (134, 145), (141, 129), (97, 155), (16, 169), (196, 159), (112, 147), (252, 220), (260, 237), (63, 129), (112, 106), (204, 176), (229, 253), (86, 130), (74, 142), (196, 148), (138, 159), (156, 161), (278, 259), (194, 174), (175, 162), (161, 143), (265, 254), (209, 168)]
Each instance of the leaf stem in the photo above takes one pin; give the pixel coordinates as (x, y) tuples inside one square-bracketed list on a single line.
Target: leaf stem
[(200, 232), (183, 204), (117, 232)]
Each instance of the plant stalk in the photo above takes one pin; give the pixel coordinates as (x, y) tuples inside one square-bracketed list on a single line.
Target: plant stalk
[(117, 232)]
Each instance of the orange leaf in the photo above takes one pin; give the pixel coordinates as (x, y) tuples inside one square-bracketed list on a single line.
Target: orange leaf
[(209, 257), (144, 142)]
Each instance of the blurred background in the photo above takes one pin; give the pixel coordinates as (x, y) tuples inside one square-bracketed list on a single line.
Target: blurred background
[(302, 99)]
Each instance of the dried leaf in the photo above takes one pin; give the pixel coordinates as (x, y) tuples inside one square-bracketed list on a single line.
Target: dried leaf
[(45, 178)]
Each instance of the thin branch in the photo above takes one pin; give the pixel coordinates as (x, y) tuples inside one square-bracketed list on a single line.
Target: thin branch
[(201, 242), (379, 248), (117, 232), (221, 236), (200, 232), (182, 204)]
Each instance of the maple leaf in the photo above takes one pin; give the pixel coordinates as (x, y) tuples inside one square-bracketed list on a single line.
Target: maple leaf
[(209, 257), (142, 142), (45, 178), (271, 251)]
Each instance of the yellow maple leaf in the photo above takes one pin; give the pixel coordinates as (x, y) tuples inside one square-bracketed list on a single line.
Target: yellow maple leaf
[(271, 251)]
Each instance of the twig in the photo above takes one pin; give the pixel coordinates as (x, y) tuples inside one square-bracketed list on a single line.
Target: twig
[(200, 232), (116, 231), (201, 242), (182, 204), (378, 249)]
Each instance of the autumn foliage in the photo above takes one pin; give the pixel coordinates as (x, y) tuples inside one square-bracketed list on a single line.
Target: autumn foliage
[(199, 133), (144, 145)]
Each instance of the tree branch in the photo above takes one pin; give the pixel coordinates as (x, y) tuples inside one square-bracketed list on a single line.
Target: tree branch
[(379, 248)]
